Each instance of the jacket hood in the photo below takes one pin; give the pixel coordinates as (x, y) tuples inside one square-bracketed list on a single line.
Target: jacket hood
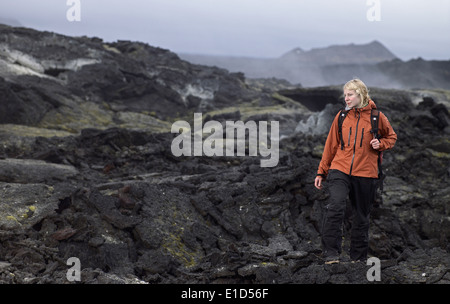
[(371, 104)]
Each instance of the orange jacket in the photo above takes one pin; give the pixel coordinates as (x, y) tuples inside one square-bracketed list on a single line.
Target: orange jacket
[(358, 157)]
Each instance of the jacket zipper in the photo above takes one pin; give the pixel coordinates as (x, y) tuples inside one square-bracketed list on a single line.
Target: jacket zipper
[(354, 145), (362, 136), (349, 136)]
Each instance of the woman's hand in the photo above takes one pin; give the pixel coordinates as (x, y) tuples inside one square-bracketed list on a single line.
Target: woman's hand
[(318, 182), (375, 143)]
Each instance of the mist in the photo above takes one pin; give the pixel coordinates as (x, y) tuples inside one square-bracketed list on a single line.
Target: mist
[(249, 28), (335, 65)]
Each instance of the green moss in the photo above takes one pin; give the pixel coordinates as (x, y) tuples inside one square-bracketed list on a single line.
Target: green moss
[(438, 154), (317, 151), (29, 213), (287, 100), (176, 248), (248, 111), (74, 119), (11, 218), (26, 131), (175, 222), (133, 120)]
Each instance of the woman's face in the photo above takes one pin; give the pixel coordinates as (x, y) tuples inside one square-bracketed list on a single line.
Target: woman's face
[(351, 98)]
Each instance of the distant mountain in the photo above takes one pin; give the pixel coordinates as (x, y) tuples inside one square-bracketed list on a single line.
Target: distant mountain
[(334, 65), (370, 53)]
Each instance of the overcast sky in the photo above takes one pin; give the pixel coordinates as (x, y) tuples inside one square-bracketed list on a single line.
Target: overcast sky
[(256, 28)]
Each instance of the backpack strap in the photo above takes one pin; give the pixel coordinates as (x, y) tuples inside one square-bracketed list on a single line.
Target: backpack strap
[(374, 118), (342, 115)]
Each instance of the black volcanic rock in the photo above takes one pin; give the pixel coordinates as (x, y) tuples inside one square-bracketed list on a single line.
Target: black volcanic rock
[(87, 171), (23, 105), (129, 76), (315, 99)]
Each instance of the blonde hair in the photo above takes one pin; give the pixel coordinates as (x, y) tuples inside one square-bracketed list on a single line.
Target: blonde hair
[(360, 88)]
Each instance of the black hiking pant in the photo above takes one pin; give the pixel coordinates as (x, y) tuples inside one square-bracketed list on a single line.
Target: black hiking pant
[(360, 191)]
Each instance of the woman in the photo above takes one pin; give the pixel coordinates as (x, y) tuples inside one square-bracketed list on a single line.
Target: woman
[(350, 166)]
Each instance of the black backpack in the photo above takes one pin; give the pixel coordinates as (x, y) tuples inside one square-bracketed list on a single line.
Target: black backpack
[(374, 119)]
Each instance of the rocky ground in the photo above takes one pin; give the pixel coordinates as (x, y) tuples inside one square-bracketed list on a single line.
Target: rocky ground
[(87, 171)]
